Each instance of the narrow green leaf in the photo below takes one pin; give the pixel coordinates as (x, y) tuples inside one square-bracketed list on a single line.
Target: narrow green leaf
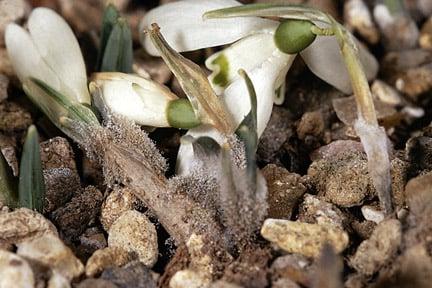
[(31, 187), (109, 20), (8, 184), (247, 132), (206, 148), (59, 107), (269, 10), (118, 50)]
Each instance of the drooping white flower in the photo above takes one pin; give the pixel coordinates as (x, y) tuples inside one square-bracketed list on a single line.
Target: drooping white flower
[(48, 51), (142, 100), (255, 51)]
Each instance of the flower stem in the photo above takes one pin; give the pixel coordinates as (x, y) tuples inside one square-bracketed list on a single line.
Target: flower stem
[(373, 137)]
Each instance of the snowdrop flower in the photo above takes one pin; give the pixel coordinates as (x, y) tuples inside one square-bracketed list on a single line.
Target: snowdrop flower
[(49, 52), (143, 101), (256, 52), (258, 48)]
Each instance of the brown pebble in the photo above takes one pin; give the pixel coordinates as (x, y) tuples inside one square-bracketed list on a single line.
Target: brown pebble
[(104, 258), (74, 217), (373, 253), (284, 191)]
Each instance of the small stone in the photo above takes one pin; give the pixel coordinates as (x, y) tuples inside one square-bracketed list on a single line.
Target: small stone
[(303, 238), (312, 124), (385, 93), (23, 225), (57, 153), (293, 266), (134, 274), (284, 191), (14, 117), (133, 232), (52, 252), (105, 258), (58, 281), (398, 30), (118, 201), (4, 84), (188, 279), (74, 217), (315, 210), (15, 271), (60, 185), (346, 110), (358, 17), (373, 253), (372, 213)]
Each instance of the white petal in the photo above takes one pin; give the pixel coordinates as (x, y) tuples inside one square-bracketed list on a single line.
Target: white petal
[(248, 53), (59, 48), (185, 156), (25, 57), (136, 98), (324, 59), (264, 79), (184, 28)]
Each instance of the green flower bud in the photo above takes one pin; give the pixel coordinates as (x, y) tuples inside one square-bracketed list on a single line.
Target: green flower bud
[(293, 36), (180, 114)]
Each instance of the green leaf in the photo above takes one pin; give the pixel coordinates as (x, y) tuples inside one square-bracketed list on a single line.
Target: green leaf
[(118, 52), (247, 132), (31, 187), (8, 184), (270, 10), (109, 20), (58, 107)]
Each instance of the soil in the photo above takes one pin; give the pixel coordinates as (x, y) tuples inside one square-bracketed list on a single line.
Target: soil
[(314, 165)]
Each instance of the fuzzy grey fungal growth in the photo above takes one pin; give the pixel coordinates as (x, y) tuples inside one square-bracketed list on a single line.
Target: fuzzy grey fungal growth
[(218, 181), (130, 158)]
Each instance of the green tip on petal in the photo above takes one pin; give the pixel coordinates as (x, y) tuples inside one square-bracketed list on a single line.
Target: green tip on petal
[(221, 78), (31, 187), (180, 114), (293, 36)]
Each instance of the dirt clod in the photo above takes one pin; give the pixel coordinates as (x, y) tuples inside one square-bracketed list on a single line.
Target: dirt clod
[(284, 191), (73, 218)]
